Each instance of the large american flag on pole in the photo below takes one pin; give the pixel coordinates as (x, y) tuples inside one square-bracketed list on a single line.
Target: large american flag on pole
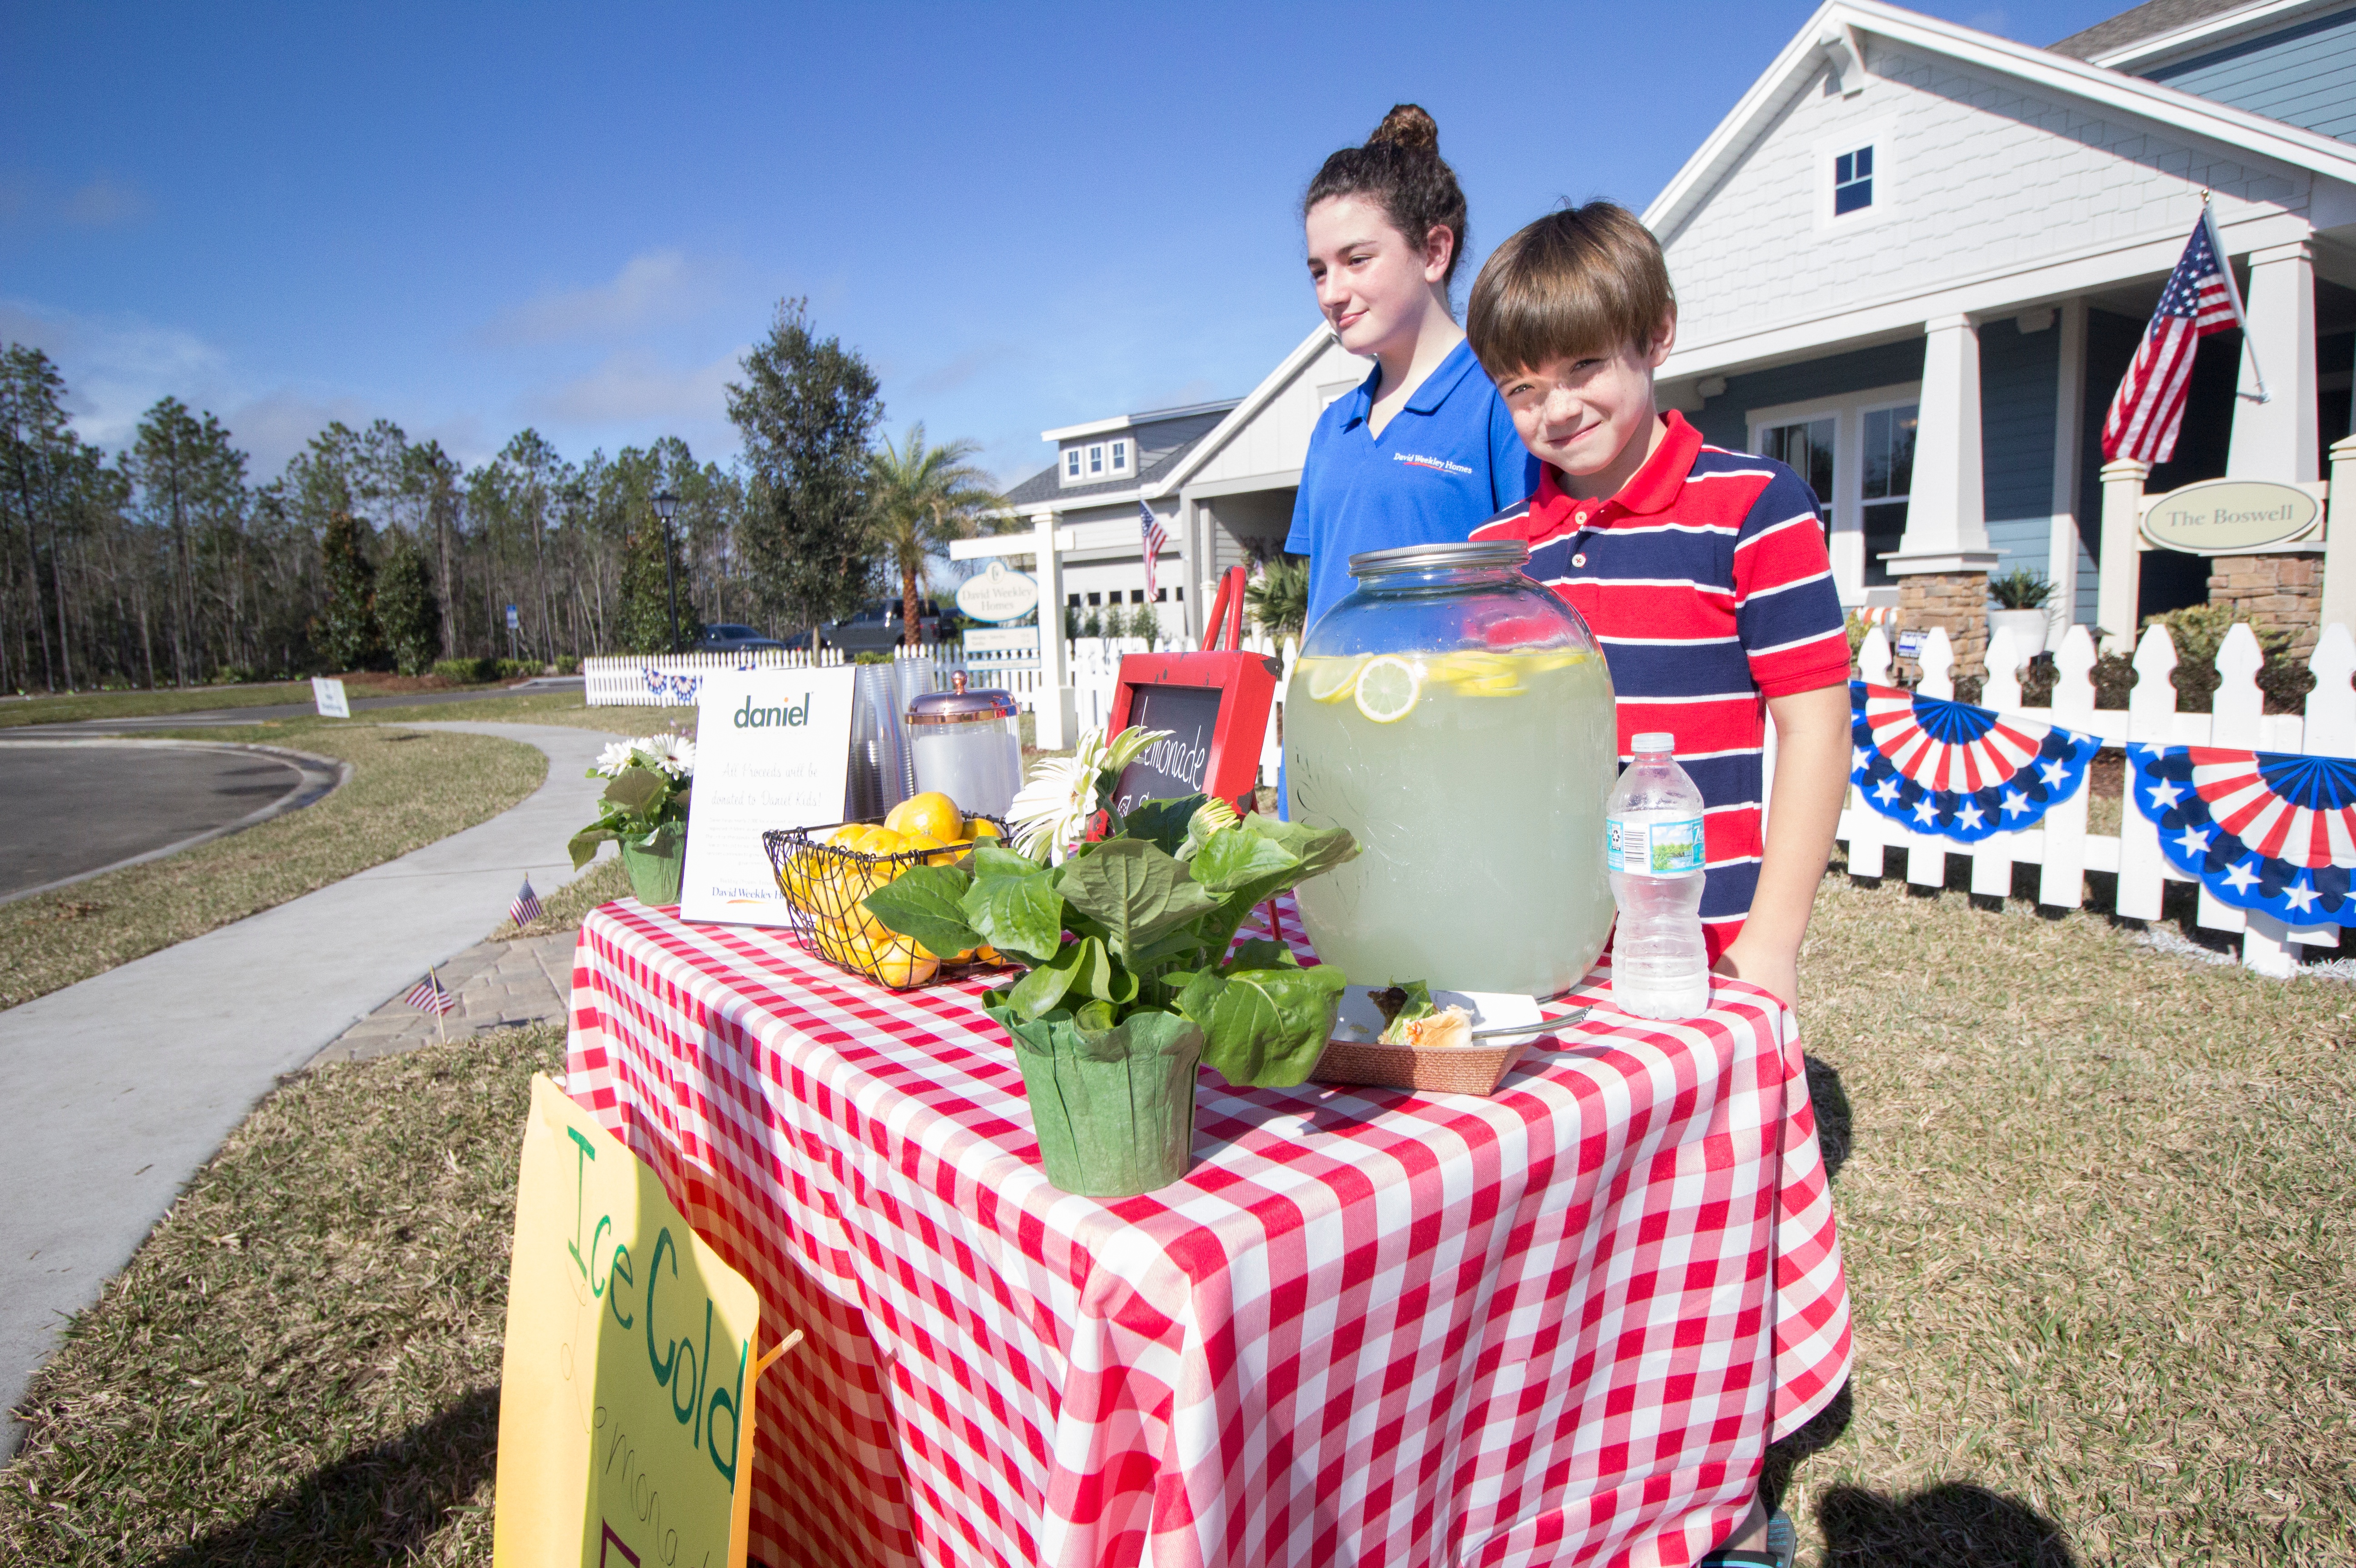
[(2200, 299), (1154, 539)]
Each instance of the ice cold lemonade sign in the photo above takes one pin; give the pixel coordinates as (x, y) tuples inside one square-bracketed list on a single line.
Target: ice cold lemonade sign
[(1170, 768), (626, 1385), (772, 750), (2220, 517)]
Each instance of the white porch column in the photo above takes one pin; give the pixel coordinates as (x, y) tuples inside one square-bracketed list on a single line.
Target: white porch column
[(2120, 583), (2340, 539), (2277, 439), (1054, 707), (1190, 528), (1946, 513), (2069, 440)]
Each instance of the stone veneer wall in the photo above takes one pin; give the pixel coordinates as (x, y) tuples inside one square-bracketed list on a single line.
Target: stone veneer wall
[(1956, 600), (2274, 593)]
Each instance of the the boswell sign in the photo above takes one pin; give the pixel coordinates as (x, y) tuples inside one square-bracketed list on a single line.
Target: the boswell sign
[(2226, 517)]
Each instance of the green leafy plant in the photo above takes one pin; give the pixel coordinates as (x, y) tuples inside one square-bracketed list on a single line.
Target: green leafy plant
[(1278, 597), (645, 804), (1130, 936), (2020, 589)]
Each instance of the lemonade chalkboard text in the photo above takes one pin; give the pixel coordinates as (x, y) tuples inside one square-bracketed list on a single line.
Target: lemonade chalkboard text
[(1214, 706)]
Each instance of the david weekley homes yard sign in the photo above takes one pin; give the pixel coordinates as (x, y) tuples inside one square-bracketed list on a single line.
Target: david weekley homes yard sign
[(2226, 517), (998, 595)]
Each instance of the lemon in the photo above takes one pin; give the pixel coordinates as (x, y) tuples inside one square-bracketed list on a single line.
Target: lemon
[(980, 829), (930, 813), (902, 963), (1388, 688), (1333, 680), (915, 841)]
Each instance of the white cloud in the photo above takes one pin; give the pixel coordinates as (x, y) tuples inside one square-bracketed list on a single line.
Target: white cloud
[(117, 367), (656, 288), (104, 203), (635, 389)]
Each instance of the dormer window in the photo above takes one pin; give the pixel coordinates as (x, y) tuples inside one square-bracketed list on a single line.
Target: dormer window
[(1852, 181), (1072, 463), (1120, 457), (1095, 460)]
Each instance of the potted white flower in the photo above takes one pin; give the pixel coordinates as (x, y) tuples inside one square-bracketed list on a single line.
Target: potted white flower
[(644, 813)]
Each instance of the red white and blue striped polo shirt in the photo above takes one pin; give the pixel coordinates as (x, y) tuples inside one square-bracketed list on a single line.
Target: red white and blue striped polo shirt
[(1706, 582)]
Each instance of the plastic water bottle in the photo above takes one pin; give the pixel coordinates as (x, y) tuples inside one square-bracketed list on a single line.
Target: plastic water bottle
[(1653, 848)]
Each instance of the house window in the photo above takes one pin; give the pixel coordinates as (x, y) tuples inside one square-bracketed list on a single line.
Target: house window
[(1807, 448), (1137, 595), (1120, 457), (1096, 599), (1095, 460), (1072, 463), (1162, 596), (1853, 181), (1073, 601), (1888, 469)]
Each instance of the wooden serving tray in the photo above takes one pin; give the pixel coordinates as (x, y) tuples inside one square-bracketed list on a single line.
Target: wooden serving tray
[(1476, 1069)]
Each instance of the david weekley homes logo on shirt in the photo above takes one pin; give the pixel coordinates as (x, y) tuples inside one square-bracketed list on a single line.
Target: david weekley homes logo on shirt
[(750, 717), (1438, 465)]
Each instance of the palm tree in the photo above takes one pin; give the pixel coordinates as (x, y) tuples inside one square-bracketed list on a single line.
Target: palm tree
[(921, 498)]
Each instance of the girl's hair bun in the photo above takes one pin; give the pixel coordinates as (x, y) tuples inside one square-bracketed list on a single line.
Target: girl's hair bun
[(1406, 126)]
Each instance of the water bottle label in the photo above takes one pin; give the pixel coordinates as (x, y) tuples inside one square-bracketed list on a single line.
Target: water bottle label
[(1658, 847)]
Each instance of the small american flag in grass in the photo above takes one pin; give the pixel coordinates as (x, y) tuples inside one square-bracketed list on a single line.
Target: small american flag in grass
[(525, 907), (428, 995)]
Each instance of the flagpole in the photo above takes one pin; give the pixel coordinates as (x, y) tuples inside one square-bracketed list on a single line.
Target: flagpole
[(2233, 292), (441, 1029)]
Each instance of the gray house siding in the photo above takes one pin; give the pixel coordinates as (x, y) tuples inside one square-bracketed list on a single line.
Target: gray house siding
[(1725, 420), (2019, 373), (2305, 75)]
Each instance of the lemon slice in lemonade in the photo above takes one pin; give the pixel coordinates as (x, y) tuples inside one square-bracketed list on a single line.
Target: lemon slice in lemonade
[(1333, 680), (1388, 688)]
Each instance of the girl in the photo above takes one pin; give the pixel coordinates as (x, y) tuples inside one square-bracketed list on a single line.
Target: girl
[(1424, 450)]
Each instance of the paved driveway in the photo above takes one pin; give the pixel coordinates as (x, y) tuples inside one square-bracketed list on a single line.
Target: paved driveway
[(73, 809)]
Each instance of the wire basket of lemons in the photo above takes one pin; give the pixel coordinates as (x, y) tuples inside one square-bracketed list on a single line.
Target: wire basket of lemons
[(825, 872)]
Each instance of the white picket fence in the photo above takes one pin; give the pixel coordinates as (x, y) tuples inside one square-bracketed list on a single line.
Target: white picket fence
[(670, 680), (2060, 846)]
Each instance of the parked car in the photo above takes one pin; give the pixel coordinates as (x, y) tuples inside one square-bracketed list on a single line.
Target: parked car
[(878, 627), (727, 636)]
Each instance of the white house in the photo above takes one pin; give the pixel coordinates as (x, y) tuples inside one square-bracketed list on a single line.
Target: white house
[(1913, 262)]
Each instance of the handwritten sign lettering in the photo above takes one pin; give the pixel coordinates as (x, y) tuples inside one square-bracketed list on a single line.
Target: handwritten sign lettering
[(626, 1390)]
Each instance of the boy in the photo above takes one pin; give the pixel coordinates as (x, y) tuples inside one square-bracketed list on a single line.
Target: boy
[(1702, 573)]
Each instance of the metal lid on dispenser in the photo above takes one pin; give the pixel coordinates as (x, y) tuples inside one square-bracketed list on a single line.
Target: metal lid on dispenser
[(959, 706)]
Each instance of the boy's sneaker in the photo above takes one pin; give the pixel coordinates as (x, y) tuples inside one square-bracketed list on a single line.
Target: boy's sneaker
[(1783, 1540)]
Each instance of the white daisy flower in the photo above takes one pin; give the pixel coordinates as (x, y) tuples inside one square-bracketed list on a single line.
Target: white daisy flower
[(679, 755), (1050, 814), (613, 760)]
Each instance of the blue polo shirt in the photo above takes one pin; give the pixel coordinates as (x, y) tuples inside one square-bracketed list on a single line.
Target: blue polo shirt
[(1445, 464)]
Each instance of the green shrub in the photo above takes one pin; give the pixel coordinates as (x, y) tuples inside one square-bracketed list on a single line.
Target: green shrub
[(467, 672), (2020, 589), (568, 665), (518, 668), (2199, 631)]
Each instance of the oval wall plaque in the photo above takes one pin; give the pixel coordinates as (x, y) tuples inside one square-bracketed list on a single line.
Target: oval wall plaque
[(2223, 517), (998, 594)]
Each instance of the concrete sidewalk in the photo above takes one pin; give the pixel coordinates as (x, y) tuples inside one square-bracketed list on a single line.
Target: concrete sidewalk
[(123, 1085)]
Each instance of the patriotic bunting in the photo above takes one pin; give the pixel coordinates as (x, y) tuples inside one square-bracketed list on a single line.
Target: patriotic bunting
[(1956, 770), (2265, 831)]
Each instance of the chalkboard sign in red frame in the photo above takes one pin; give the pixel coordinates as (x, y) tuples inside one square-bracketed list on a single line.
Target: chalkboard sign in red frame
[(1246, 686)]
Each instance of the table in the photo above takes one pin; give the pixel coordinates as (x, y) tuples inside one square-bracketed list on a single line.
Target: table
[(1371, 1326)]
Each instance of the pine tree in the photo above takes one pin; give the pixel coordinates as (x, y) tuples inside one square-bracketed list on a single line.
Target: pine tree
[(644, 626), (408, 608), (346, 632)]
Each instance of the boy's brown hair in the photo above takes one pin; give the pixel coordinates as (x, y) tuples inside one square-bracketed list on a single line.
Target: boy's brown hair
[(1586, 280)]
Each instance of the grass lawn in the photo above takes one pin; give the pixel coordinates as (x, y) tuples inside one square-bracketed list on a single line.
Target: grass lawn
[(407, 788), (550, 708), (2094, 1199), (301, 1366), (15, 711)]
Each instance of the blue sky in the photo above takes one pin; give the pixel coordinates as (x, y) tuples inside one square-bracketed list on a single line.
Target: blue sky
[(470, 218)]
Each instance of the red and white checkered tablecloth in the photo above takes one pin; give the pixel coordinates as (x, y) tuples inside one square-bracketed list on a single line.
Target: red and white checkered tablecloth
[(1370, 1327)]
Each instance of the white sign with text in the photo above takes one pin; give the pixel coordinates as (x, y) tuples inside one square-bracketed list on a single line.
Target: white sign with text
[(329, 695), (772, 750)]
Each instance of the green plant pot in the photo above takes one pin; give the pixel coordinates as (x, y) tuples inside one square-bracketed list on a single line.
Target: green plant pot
[(1114, 1113), (654, 873)]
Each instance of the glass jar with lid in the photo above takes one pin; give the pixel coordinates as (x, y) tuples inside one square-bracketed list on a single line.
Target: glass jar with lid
[(967, 746), (1458, 718)]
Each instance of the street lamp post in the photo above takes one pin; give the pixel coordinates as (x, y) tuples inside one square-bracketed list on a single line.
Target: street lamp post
[(665, 503)]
